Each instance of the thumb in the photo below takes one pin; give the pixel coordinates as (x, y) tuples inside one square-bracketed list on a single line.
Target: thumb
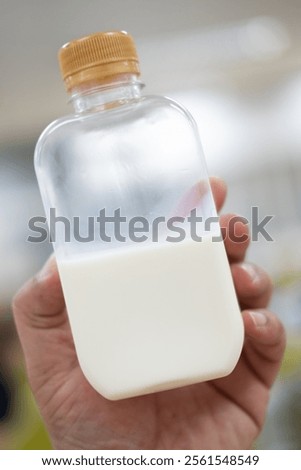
[(42, 323), (39, 304)]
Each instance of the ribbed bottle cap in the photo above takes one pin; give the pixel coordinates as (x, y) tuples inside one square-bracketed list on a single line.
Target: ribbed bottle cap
[(97, 58)]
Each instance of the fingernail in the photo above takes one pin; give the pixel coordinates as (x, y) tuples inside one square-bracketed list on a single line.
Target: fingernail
[(47, 270), (259, 318), (252, 271)]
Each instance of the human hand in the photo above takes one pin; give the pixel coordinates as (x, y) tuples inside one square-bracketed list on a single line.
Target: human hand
[(226, 413)]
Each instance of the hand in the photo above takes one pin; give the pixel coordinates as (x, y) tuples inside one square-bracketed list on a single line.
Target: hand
[(227, 413)]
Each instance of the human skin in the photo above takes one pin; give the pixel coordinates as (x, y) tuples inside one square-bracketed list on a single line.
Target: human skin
[(226, 413)]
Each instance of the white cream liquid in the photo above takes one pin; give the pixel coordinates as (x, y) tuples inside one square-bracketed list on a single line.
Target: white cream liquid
[(153, 318)]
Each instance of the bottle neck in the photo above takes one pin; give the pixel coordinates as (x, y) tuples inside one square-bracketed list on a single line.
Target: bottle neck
[(100, 97)]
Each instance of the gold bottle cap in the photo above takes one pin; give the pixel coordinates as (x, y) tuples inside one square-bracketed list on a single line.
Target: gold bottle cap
[(97, 58)]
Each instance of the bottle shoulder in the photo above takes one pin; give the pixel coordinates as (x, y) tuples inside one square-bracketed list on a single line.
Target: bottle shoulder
[(145, 103), (167, 102), (50, 131), (146, 111)]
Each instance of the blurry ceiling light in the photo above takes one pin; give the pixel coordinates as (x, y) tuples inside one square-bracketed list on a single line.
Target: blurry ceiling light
[(221, 119), (289, 103), (257, 39), (241, 135), (262, 38)]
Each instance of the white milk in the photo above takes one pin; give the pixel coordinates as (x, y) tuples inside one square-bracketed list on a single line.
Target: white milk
[(153, 318)]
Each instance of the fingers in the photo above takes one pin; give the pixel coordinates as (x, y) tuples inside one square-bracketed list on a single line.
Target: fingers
[(236, 236), (252, 284), (194, 195), (219, 191), (234, 228), (249, 383), (264, 343), (40, 302)]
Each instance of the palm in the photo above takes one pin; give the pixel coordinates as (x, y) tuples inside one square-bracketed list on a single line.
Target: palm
[(208, 415)]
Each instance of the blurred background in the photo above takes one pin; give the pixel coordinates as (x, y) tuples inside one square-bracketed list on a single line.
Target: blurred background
[(236, 65)]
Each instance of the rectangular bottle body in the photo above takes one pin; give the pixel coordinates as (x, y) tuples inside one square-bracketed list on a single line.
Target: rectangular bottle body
[(146, 316)]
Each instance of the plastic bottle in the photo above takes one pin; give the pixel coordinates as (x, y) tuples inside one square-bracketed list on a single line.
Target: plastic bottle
[(151, 307)]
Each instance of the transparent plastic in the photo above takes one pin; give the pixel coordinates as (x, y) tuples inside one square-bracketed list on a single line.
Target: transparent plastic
[(150, 306)]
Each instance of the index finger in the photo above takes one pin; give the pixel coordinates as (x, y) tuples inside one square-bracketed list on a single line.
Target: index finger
[(219, 191)]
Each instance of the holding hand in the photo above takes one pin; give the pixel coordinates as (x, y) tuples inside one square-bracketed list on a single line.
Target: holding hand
[(226, 413)]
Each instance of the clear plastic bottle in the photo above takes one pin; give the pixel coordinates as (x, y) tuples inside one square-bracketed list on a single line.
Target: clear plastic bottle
[(151, 307)]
